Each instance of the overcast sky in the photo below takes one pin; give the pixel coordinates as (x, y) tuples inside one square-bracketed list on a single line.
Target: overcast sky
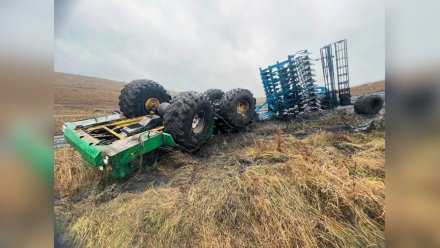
[(197, 45)]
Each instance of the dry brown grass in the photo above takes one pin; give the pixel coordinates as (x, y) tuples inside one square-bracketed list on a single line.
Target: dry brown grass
[(260, 189), (368, 88), (70, 175), (77, 97), (324, 191)]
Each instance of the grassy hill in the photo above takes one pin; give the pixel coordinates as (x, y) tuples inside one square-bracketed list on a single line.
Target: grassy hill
[(368, 88), (299, 183), (78, 97)]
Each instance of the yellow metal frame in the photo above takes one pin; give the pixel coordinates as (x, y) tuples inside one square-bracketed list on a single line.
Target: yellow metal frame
[(119, 124), (157, 129), (114, 133)]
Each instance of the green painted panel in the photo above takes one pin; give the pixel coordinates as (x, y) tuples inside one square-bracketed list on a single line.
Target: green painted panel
[(122, 162), (90, 154)]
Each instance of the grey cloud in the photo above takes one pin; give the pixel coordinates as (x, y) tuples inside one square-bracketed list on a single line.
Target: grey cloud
[(197, 45)]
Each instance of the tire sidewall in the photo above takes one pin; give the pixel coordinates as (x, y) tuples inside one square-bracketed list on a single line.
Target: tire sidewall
[(135, 94), (179, 117), (197, 138), (143, 96), (237, 119)]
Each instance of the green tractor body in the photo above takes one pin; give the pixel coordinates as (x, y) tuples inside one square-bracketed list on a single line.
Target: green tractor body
[(118, 156), (150, 119)]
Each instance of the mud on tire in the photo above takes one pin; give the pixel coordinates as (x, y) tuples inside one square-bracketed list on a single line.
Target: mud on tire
[(188, 119), (238, 107), (368, 105), (214, 95), (134, 96)]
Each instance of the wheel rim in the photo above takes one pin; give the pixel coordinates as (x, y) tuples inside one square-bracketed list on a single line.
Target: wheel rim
[(242, 107), (152, 103), (198, 122)]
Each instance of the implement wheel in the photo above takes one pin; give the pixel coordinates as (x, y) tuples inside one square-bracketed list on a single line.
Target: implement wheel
[(188, 118), (238, 107), (140, 97)]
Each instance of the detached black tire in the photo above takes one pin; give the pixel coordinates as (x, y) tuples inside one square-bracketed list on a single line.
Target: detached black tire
[(140, 96), (368, 105), (214, 95), (188, 119), (238, 107)]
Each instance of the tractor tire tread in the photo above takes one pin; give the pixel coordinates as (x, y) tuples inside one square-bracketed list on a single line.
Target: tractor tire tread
[(228, 107), (368, 104), (134, 94), (179, 116), (214, 95)]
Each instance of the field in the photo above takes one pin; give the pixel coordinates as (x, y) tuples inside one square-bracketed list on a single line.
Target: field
[(78, 97), (368, 88), (308, 182)]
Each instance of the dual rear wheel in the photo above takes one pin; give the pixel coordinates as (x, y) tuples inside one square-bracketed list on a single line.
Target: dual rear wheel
[(189, 117)]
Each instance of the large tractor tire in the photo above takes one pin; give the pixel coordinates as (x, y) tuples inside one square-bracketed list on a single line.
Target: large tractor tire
[(368, 105), (238, 107), (139, 97), (188, 119), (214, 95)]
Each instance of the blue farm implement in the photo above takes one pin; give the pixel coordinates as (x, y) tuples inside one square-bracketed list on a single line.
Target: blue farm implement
[(290, 85), (334, 56)]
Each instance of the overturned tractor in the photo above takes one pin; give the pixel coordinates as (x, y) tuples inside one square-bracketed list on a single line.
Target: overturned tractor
[(150, 118)]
